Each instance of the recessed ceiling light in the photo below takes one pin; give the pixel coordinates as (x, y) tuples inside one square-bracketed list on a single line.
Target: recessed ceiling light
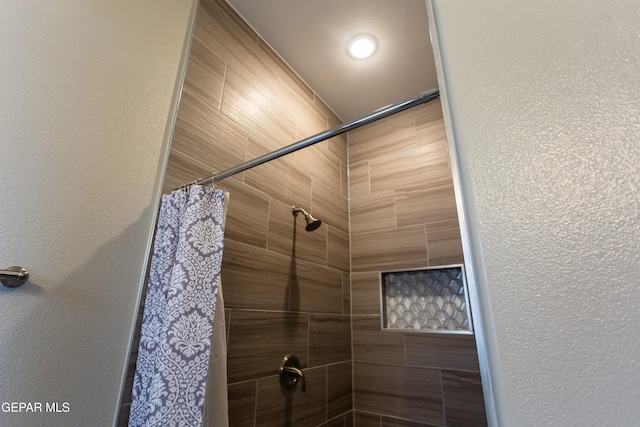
[(362, 46)]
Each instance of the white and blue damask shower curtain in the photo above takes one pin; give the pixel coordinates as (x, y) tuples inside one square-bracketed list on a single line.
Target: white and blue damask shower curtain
[(175, 344)]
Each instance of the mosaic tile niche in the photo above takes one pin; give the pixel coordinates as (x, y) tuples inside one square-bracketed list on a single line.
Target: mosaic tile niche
[(428, 300)]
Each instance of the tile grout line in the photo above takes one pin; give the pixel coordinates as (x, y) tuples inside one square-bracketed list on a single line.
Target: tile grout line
[(326, 393), (444, 413), (222, 89), (308, 338), (353, 379), (255, 408)]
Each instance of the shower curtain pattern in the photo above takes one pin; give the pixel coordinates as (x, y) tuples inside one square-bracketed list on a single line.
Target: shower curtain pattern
[(175, 342)]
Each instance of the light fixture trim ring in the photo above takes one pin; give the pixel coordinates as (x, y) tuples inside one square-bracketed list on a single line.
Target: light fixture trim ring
[(362, 46)]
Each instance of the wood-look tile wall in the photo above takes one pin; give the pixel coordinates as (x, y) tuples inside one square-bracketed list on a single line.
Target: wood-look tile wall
[(317, 294), (403, 215), (286, 290)]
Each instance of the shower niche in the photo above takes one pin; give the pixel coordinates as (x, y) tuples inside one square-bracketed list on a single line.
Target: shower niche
[(432, 299)]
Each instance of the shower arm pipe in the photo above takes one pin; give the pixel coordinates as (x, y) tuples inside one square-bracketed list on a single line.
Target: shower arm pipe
[(422, 98)]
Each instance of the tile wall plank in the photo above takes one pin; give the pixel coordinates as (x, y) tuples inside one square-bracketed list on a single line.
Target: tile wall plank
[(242, 396), (253, 278), (463, 399), (365, 293), (373, 213), (258, 340), (389, 249), (450, 351), (315, 289), (207, 135), (407, 392), (444, 243), (337, 249), (329, 339), (204, 76), (277, 408), (372, 344), (339, 394)]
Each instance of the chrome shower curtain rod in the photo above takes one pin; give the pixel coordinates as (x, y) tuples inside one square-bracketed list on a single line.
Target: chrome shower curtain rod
[(322, 136)]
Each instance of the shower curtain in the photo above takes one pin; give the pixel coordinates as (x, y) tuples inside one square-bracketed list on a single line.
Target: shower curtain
[(179, 313)]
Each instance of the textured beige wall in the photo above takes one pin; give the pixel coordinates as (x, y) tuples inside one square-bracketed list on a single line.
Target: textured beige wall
[(546, 130), (87, 90)]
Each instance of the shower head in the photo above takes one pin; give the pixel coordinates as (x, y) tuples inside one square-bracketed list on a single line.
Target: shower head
[(312, 223)]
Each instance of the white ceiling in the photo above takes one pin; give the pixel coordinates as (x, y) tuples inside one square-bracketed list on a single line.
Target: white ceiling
[(311, 36)]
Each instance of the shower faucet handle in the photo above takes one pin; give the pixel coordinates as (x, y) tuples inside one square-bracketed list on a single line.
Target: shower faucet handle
[(299, 373), (290, 373)]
